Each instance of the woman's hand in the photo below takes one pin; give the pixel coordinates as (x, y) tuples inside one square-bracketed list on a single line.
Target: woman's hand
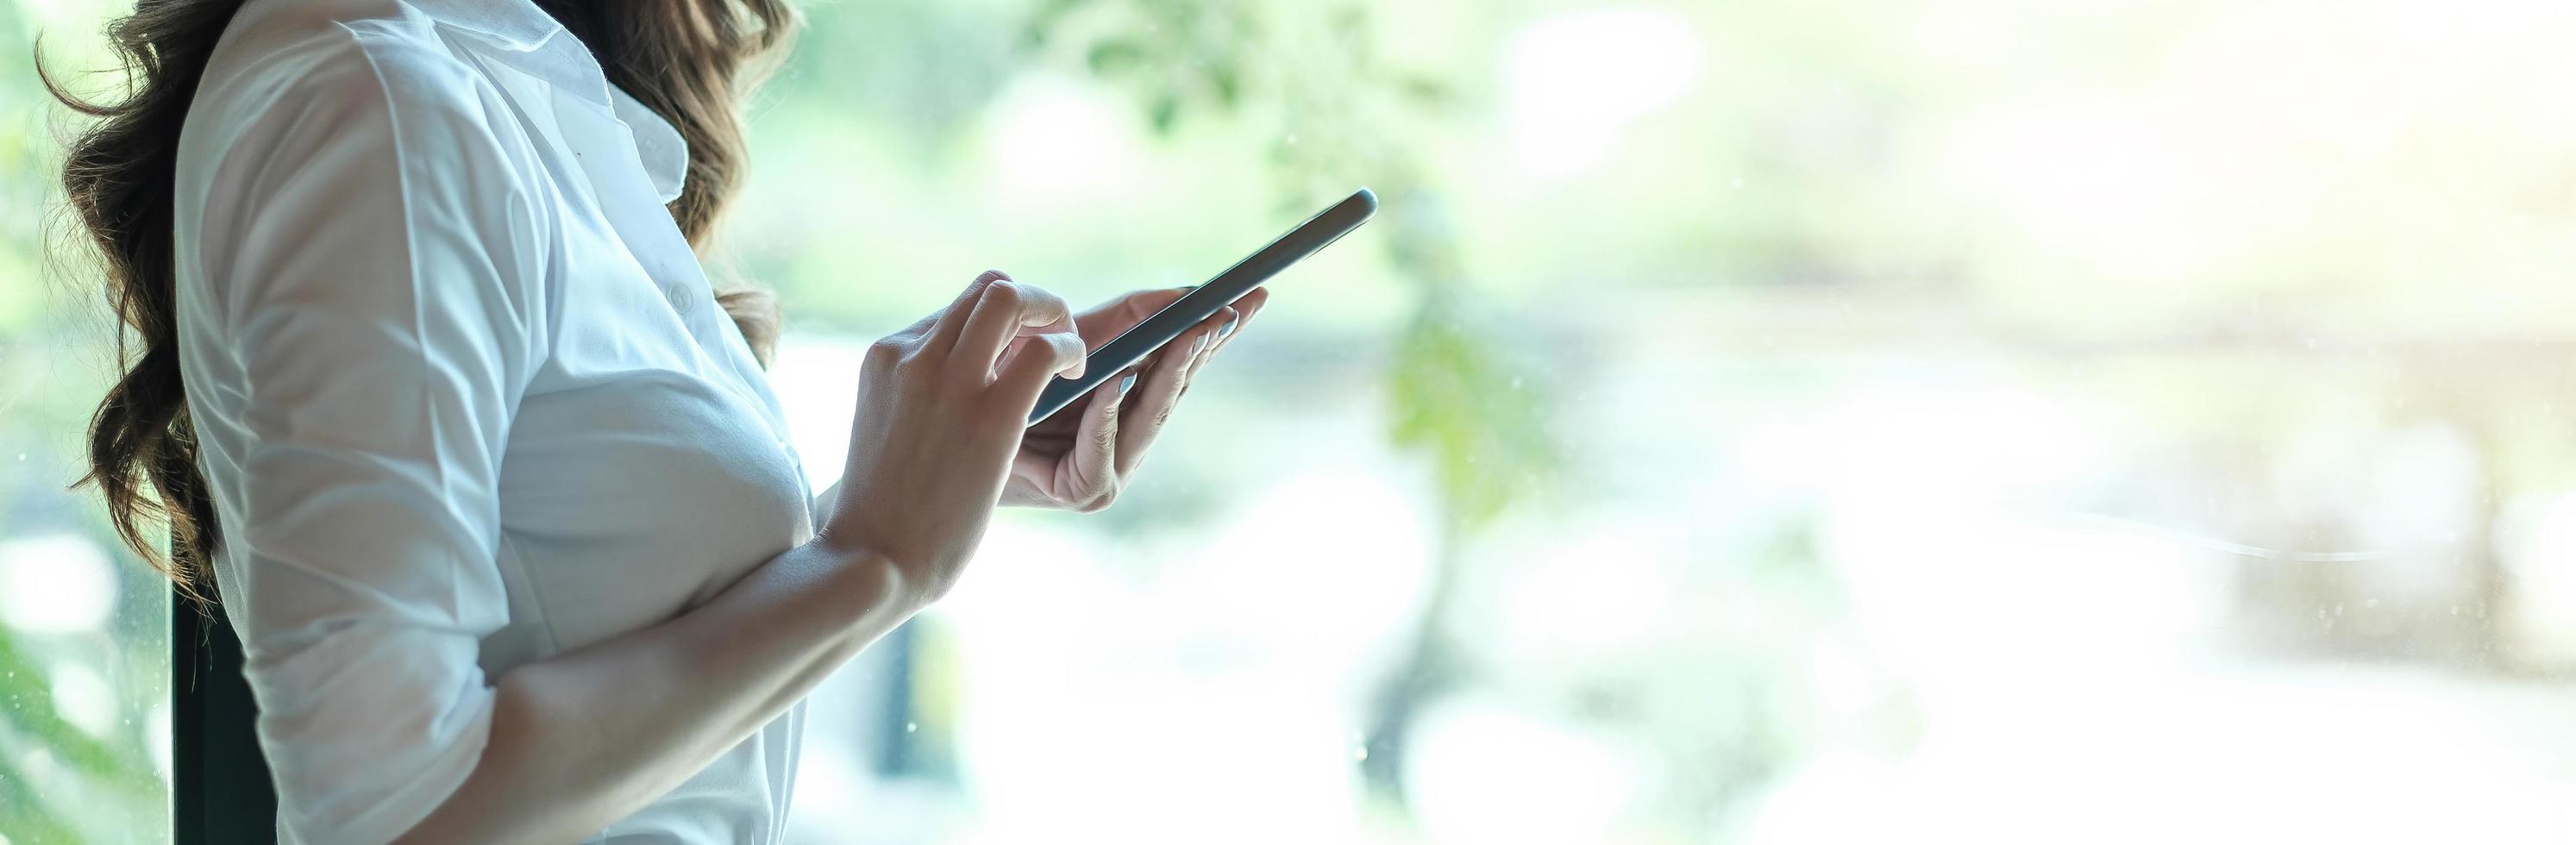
[(1082, 456), (587, 736), (941, 409)]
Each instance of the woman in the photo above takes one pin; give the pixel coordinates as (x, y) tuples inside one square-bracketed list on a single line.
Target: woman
[(434, 394)]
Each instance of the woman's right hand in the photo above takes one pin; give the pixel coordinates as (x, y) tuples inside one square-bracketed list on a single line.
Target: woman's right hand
[(942, 405)]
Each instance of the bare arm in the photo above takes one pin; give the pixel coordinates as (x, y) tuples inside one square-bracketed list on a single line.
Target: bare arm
[(589, 736)]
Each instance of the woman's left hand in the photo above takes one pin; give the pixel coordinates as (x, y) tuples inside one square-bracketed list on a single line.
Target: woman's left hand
[(1082, 456)]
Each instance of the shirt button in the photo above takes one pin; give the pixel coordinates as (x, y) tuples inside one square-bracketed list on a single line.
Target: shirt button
[(679, 297)]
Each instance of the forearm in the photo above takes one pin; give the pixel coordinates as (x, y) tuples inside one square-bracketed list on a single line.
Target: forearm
[(589, 736)]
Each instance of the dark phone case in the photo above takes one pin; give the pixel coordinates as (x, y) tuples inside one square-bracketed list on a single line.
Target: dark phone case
[(1137, 342)]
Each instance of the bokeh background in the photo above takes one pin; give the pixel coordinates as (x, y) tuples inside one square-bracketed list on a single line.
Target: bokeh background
[(1831, 421)]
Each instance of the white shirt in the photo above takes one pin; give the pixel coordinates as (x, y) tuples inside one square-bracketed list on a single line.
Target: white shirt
[(463, 395)]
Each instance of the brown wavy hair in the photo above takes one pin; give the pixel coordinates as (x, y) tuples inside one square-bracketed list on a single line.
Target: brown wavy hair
[(691, 61)]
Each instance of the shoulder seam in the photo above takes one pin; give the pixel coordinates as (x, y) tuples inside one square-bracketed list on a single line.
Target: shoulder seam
[(402, 172), (411, 251)]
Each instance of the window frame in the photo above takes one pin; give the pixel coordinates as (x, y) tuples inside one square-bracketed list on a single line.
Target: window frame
[(219, 783)]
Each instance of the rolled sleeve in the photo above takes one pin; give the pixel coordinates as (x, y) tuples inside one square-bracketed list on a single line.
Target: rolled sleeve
[(372, 256)]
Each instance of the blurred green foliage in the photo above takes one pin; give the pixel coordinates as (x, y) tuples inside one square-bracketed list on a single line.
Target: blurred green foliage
[(1339, 117), (63, 778), (1454, 395)]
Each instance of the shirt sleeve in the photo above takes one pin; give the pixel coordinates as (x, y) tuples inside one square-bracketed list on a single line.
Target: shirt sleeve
[(373, 259)]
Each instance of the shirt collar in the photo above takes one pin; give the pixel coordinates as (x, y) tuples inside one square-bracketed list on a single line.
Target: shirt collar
[(517, 24), (658, 145), (534, 42), (529, 39)]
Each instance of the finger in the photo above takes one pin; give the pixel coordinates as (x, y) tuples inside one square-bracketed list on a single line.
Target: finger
[(952, 320), (1194, 345), (1095, 440), (1249, 305), (1009, 310), (907, 341), (1151, 404), (1216, 326), (1118, 315), (1025, 371), (1135, 307)]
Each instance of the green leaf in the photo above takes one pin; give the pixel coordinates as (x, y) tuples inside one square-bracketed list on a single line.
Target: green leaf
[(29, 703), (1045, 18), (1426, 91), (1478, 418), (1228, 82), (23, 818), (1109, 58)]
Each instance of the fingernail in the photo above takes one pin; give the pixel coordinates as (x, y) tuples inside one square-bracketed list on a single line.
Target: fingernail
[(1124, 383), (1200, 344), (1229, 326)]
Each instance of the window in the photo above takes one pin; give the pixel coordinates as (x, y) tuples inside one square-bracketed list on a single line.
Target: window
[(1745, 423), (84, 642)]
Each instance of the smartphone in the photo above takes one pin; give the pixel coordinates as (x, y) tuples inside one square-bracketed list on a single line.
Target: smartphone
[(1134, 344)]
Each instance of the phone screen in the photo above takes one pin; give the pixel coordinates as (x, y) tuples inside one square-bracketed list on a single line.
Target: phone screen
[(1134, 344)]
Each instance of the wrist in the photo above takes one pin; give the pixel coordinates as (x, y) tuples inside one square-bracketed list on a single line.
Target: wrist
[(871, 578)]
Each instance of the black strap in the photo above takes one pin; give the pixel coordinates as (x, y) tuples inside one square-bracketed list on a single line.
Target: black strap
[(220, 792)]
